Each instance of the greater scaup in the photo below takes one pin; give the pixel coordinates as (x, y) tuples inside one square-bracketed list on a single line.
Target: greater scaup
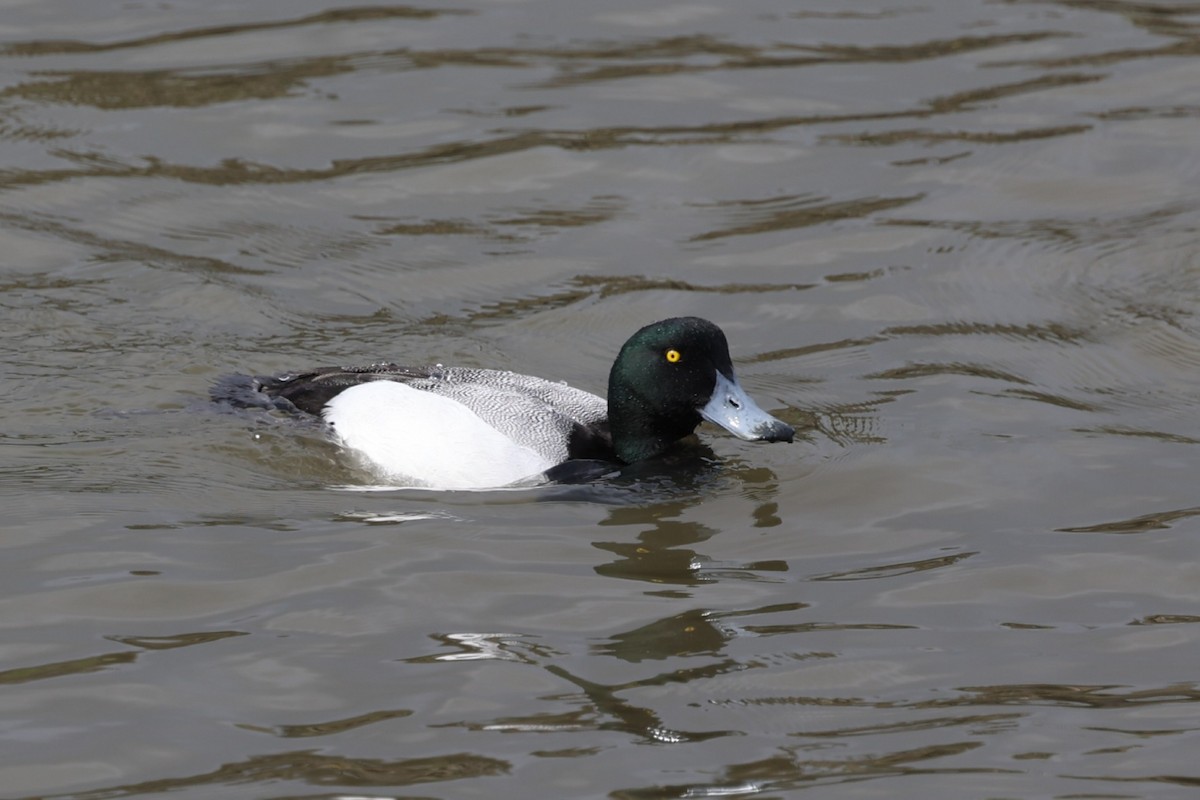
[(466, 428)]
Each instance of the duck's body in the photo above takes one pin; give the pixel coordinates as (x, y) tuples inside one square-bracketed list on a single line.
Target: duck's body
[(459, 428), (466, 428)]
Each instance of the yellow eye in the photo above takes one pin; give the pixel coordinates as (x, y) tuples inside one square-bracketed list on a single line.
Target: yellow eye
[(673, 356)]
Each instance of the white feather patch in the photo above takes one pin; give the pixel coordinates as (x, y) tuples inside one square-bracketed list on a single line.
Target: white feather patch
[(417, 438)]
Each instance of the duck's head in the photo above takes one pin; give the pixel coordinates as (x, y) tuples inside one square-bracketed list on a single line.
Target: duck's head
[(669, 376)]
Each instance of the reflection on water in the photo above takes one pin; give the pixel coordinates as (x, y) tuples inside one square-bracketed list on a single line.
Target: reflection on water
[(952, 243), (305, 766)]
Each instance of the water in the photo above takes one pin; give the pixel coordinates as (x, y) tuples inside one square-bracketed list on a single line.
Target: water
[(953, 243)]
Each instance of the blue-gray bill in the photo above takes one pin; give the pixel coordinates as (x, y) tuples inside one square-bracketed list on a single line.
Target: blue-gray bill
[(732, 409)]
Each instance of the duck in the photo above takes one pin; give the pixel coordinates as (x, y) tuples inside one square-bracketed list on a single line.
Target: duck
[(472, 428)]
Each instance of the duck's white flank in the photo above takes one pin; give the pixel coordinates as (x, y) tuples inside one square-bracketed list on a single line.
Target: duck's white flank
[(405, 432)]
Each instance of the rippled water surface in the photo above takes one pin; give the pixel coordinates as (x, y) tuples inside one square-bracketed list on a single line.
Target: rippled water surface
[(955, 243)]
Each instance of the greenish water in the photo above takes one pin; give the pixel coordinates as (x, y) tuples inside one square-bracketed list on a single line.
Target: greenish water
[(955, 244)]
